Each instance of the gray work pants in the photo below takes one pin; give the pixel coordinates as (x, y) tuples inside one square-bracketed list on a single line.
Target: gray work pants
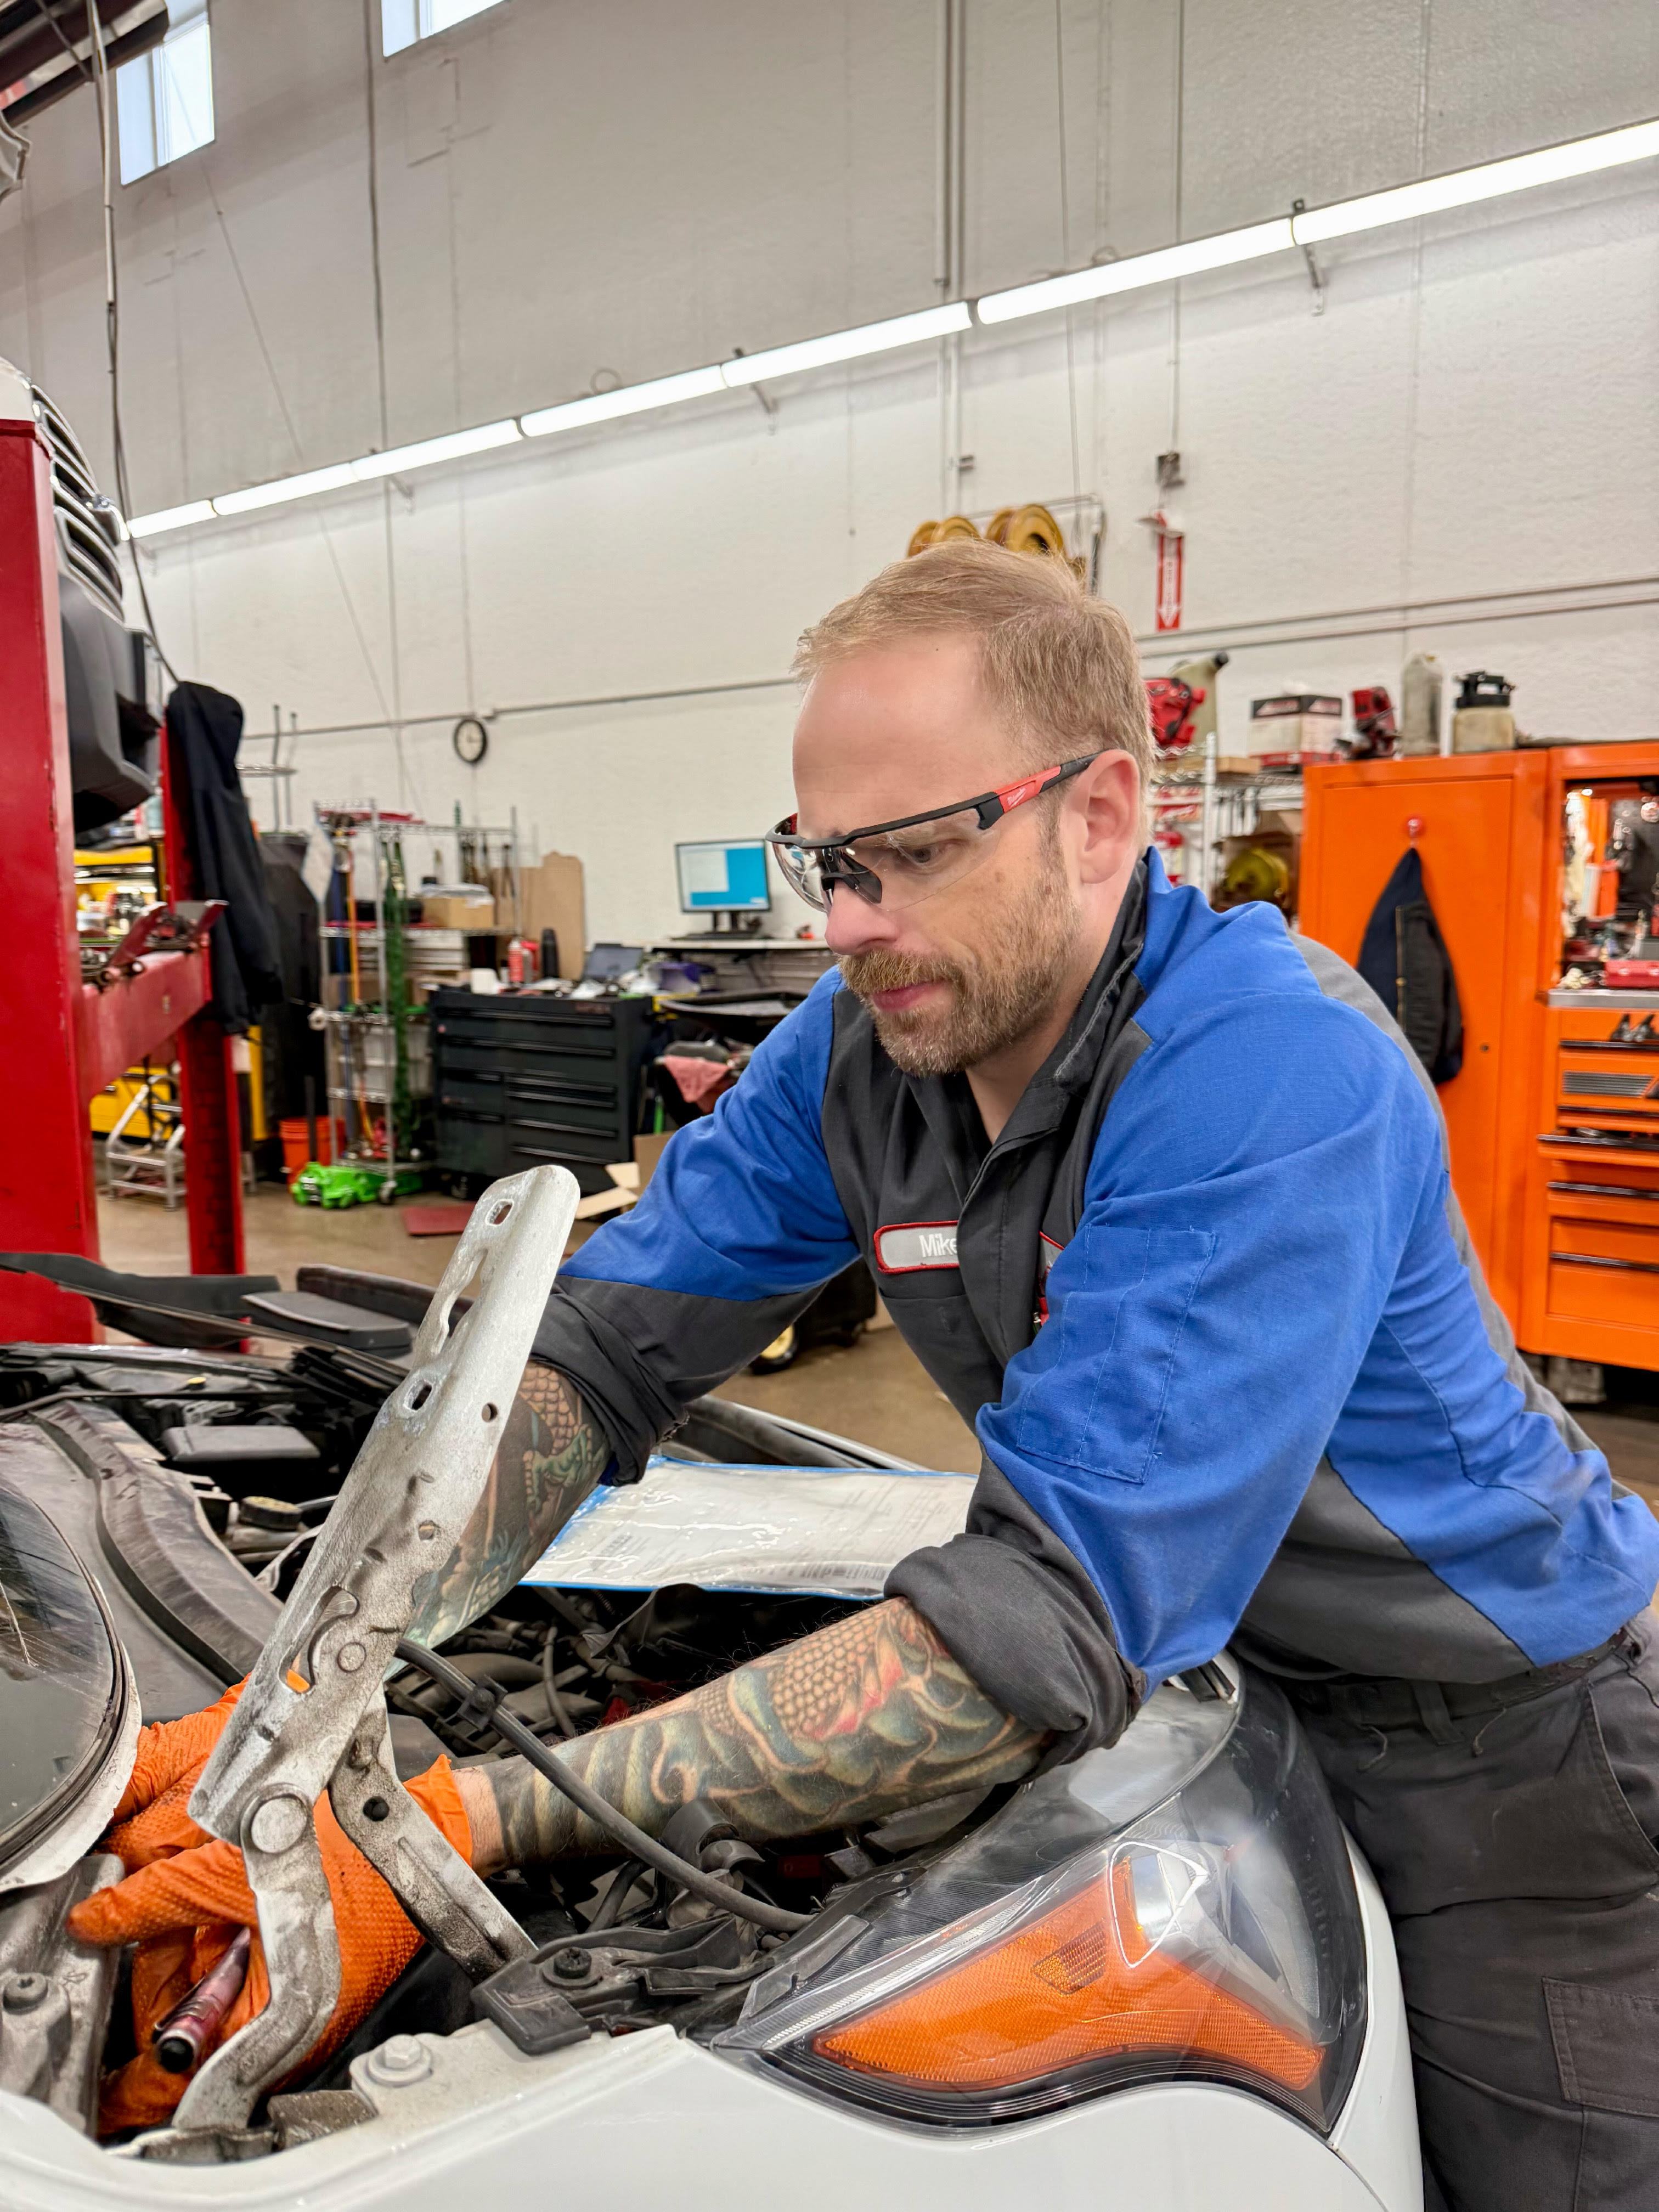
[(1510, 1828)]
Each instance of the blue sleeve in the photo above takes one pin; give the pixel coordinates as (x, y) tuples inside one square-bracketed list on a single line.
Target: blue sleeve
[(742, 1204), (730, 1241), (1261, 1172)]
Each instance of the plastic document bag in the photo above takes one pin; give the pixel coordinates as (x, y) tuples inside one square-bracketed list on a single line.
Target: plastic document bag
[(834, 1532)]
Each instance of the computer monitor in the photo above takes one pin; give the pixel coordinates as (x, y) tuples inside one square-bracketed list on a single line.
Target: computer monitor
[(724, 878), (609, 964)]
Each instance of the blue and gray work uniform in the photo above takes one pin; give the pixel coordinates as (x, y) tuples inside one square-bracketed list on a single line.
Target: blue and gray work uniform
[(1208, 1301)]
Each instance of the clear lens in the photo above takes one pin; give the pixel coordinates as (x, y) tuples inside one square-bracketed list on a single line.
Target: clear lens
[(897, 871), (1081, 1942)]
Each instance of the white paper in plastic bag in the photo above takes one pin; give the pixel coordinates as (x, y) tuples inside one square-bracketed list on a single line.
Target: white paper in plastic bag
[(833, 1532)]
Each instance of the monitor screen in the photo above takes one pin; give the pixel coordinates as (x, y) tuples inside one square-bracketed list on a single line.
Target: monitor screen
[(723, 878)]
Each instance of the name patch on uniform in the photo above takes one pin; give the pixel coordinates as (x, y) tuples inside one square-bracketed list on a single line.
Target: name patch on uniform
[(906, 1246)]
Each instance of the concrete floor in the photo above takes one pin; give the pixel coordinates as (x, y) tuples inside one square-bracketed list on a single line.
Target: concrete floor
[(876, 1392)]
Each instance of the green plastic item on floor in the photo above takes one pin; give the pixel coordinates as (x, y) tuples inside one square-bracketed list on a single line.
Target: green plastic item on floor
[(343, 1182)]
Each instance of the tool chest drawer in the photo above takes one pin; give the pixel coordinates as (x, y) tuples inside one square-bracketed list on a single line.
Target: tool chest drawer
[(471, 1144), (469, 1093), (520, 1081), (1604, 1271), (1602, 1244), (1604, 1087)]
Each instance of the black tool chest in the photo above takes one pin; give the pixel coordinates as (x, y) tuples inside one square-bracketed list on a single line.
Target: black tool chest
[(516, 1081)]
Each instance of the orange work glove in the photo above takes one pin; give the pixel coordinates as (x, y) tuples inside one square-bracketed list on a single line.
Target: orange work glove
[(186, 1893)]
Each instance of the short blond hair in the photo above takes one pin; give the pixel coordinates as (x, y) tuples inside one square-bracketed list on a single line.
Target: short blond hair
[(1059, 663)]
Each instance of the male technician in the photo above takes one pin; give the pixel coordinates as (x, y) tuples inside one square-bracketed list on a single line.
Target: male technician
[(1158, 1197)]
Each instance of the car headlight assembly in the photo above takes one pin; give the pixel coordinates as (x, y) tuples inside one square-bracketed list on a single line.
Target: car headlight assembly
[(1179, 1906)]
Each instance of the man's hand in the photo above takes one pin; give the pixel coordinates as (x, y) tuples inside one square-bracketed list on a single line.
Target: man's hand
[(866, 1717), (186, 1894), (550, 1456)]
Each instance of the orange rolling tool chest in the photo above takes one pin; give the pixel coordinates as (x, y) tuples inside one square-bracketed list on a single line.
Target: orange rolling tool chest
[(1554, 1118)]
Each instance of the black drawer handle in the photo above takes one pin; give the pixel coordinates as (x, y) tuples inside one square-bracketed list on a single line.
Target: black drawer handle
[(492, 1040), (559, 1129), (568, 1048), (564, 1094), (1609, 1190), (1596, 1260)]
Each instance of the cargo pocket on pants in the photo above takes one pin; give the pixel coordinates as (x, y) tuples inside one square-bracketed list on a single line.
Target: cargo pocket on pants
[(1606, 2048), (1607, 2054)]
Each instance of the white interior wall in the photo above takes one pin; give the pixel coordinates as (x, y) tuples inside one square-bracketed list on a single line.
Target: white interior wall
[(639, 186)]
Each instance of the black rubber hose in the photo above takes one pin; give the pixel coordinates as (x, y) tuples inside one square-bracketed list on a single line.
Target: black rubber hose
[(615, 1897), (555, 1704), (598, 1810)]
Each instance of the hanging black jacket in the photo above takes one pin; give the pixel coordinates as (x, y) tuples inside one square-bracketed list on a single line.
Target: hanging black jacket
[(207, 726), (1405, 960)]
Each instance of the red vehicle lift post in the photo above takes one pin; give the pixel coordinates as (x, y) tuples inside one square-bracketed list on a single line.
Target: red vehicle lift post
[(62, 1041)]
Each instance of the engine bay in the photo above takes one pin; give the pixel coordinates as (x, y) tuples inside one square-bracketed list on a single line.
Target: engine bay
[(1181, 1903), (190, 1486)]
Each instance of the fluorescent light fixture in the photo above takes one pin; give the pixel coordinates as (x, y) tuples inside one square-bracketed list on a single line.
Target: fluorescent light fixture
[(847, 345), (430, 451), (1580, 157), (1635, 141), (284, 487), (170, 518), (628, 399), (343, 473), (1169, 262)]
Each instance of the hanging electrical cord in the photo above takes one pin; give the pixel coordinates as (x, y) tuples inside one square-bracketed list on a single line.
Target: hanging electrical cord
[(1065, 238), (485, 1694), (112, 313)]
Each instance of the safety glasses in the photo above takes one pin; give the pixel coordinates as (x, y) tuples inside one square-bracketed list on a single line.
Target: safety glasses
[(894, 864)]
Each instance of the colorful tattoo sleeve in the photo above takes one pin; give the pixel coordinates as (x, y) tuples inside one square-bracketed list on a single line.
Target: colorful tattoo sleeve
[(550, 1456), (866, 1717)]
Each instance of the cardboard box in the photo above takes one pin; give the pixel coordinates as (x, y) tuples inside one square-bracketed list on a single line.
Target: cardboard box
[(448, 910), (552, 895), (1294, 725), (648, 1151)]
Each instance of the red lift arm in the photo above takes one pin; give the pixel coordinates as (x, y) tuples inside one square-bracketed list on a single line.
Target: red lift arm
[(61, 1040)]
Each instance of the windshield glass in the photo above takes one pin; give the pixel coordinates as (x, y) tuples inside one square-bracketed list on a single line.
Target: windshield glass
[(60, 1685)]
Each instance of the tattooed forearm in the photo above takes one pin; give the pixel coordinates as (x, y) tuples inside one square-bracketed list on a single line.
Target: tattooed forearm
[(550, 1456), (862, 1718)]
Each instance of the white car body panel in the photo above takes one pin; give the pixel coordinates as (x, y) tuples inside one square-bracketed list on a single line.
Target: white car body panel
[(1376, 2133), (632, 2123)]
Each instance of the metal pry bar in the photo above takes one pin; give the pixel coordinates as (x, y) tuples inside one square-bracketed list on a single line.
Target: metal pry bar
[(313, 1716)]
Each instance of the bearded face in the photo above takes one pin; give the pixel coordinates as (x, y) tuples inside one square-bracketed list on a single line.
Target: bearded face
[(1000, 986)]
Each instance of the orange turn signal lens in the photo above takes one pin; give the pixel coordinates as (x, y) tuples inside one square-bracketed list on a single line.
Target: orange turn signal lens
[(1084, 1982)]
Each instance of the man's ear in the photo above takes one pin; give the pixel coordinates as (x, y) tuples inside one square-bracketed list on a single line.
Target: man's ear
[(1108, 799)]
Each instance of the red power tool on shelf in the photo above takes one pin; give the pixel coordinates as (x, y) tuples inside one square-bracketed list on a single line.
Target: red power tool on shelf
[(1184, 704), (1374, 726), (1172, 702)]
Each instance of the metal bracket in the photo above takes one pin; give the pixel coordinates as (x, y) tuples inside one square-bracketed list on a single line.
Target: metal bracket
[(438, 1890), (1300, 207), (767, 405), (312, 1717)]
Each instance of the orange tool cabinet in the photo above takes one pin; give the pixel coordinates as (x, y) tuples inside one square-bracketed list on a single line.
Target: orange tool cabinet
[(1553, 1121)]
